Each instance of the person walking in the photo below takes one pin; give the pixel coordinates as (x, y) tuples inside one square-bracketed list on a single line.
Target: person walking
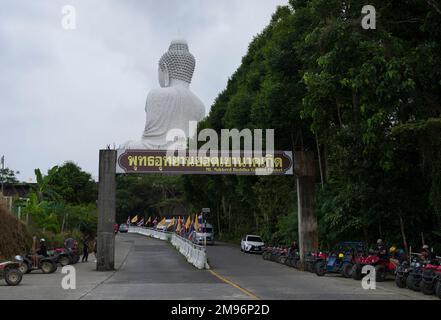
[(85, 250)]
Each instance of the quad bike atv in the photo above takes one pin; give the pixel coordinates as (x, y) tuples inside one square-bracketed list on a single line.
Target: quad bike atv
[(45, 264), (293, 260), (267, 253), (438, 287), (10, 271), (415, 276), (339, 262), (312, 258), (65, 256), (383, 267), (278, 254), (404, 269), (430, 276), (282, 256), (335, 263), (60, 256)]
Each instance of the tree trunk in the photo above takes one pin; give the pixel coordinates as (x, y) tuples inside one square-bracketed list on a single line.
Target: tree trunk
[(403, 234), (319, 154), (224, 209), (326, 163), (380, 229), (219, 221), (366, 235), (229, 217)]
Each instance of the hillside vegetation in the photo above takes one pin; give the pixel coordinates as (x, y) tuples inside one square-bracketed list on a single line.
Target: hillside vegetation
[(367, 102), (14, 236)]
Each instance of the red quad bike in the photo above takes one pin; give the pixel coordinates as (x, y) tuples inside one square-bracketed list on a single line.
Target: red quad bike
[(383, 267), (431, 273), (312, 259), (10, 272), (66, 256)]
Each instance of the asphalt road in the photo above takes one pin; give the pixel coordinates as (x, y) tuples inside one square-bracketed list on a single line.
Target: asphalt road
[(269, 280), (146, 269), (153, 269)]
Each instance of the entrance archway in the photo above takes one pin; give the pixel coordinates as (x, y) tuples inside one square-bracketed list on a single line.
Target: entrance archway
[(112, 162)]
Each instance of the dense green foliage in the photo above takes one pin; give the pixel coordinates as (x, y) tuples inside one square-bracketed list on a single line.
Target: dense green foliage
[(368, 102), (62, 202), (148, 196), (73, 185)]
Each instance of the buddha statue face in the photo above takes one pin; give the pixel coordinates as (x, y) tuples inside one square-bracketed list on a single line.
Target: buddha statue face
[(177, 63)]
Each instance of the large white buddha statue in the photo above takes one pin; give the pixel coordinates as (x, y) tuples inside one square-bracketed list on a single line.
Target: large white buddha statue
[(172, 106)]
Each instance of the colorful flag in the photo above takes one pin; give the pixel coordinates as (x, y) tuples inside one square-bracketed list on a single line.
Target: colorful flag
[(188, 223), (162, 223), (190, 232), (179, 226), (196, 223), (135, 219), (171, 224), (149, 221), (128, 220), (155, 222), (141, 223)]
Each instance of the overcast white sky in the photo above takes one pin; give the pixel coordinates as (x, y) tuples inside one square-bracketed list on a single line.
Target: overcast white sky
[(64, 94)]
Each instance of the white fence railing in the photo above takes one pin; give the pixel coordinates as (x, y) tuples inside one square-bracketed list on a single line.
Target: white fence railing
[(195, 254)]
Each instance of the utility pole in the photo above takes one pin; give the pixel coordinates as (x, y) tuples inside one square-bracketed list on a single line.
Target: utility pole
[(106, 211), (3, 173)]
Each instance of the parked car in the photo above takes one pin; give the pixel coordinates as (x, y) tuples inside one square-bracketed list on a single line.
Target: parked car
[(124, 228), (251, 243), (10, 271)]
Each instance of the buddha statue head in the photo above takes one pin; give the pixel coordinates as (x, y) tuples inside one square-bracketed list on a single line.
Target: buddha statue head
[(176, 64)]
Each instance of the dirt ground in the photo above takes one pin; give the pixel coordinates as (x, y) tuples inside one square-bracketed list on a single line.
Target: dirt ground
[(14, 236)]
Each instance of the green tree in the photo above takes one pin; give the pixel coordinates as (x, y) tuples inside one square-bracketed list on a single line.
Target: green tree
[(8, 176), (367, 102), (72, 184)]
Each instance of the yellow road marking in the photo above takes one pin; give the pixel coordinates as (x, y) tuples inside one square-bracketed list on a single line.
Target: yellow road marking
[(234, 285)]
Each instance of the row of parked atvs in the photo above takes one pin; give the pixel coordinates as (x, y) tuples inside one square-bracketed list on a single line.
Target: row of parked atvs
[(12, 271), (414, 273)]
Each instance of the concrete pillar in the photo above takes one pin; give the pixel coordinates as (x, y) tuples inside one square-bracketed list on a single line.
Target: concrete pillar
[(305, 172), (106, 211)]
